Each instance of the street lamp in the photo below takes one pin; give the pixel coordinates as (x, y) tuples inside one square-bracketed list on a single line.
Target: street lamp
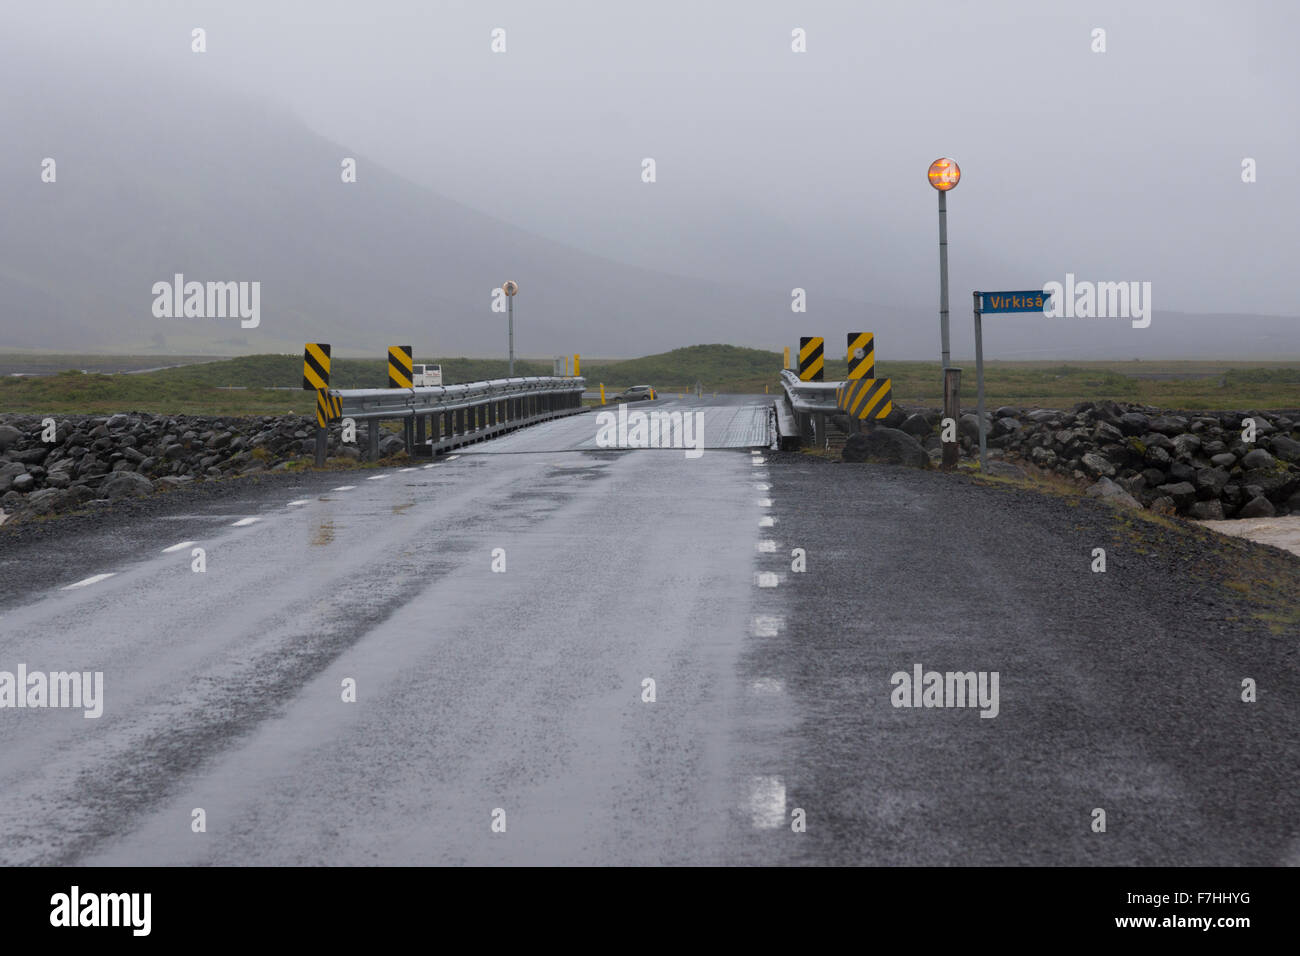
[(510, 288), (945, 174)]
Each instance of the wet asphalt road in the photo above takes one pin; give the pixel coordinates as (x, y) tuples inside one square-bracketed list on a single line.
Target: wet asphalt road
[(522, 691)]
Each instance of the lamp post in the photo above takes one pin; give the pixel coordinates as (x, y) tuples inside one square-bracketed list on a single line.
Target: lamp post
[(945, 174), (510, 287)]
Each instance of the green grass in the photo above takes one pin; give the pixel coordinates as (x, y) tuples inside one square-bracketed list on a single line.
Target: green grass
[(46, 364), (269, 384)]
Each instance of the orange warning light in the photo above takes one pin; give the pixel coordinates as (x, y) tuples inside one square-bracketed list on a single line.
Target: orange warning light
[(944, 174)]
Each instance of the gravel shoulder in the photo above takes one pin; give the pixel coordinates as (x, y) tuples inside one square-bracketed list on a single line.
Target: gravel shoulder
[(1120, 690)]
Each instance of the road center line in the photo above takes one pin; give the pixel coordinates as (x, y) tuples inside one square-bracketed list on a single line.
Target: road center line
[(94, 579), (177, 547), (242, 522)]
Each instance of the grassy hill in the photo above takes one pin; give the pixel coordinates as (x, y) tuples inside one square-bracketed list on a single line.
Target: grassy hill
[(269, 384), (726, 368)]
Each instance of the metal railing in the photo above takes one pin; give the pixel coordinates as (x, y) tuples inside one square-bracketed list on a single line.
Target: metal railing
[(437, 418), (365, 403), (801, 413), (809, 397)]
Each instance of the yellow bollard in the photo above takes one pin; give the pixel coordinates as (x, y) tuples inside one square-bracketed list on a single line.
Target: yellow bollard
[(576, 357), (602, 393)]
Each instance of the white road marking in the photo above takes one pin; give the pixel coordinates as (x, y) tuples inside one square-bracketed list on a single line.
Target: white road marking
[(244, 521), (345, 487), (766, 579), (765, 502), (767, 685), (766, 626), (94, 579), (767, 546), (762, 486), (451, 457), (300, 501), (376, 477), (766, 521), (404, 470), (767, 802), (177, 547), (427, 467), (757, 461)]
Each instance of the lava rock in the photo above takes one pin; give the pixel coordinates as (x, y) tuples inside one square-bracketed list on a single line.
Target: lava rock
[(1210, 482), (1097, 466), (886, 445), (1107, 490), (1206, 511), (1183, 493), (126, 484), (1169, 425), (1259, 507), (1258, 458), (916, 425), (1285, 448)]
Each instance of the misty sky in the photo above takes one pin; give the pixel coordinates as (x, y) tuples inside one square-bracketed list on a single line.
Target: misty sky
[(782, 168)]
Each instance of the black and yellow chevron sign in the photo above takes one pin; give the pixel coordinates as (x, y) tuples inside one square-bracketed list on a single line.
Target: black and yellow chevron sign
[(329, 408), (315, 366), (811, 361), (399, 366), (866, 398), (862, 355)]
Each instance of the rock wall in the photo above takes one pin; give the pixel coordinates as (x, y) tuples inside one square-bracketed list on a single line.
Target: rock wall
[(1194, 464), (98, 458)]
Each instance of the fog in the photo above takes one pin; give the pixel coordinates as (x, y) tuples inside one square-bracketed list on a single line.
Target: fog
[(774, 170)]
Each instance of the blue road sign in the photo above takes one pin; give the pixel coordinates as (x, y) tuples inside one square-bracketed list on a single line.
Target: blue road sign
[(1035, 300)]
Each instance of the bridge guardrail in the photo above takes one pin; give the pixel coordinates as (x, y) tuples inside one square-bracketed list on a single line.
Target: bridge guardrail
[(810, 403), (366, 403), (455, 415)]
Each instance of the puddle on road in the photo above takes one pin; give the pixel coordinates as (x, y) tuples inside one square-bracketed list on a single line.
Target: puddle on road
[(1281, 533)]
